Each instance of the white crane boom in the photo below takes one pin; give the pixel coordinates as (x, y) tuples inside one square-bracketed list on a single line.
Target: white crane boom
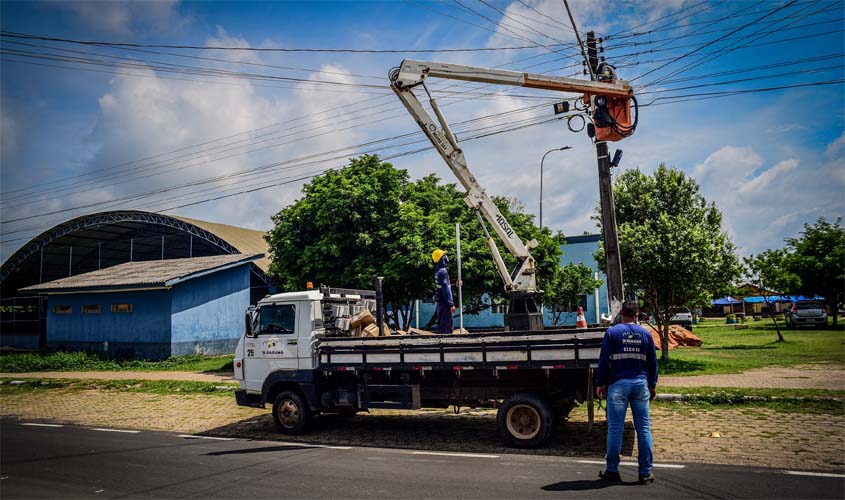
[(413, 73)]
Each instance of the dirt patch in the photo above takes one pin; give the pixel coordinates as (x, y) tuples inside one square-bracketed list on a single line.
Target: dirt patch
[(818, 376), (749, 436)]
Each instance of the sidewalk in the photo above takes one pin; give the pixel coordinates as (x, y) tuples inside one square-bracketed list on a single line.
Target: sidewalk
[(818, 376)]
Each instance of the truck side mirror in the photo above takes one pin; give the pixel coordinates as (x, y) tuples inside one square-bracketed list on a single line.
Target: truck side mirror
[(248, 319)]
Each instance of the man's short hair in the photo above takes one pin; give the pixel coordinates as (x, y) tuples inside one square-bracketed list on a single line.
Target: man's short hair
[(630, 309)]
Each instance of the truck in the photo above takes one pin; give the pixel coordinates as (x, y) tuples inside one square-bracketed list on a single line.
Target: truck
[(296, 356)]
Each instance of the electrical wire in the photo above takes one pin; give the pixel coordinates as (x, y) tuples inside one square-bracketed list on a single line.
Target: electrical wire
[(13, 34), (705, 45)]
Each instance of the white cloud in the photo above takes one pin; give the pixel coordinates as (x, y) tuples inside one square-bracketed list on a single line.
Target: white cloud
[(763, 204), (8, 135), (124, 17), (836, 148)]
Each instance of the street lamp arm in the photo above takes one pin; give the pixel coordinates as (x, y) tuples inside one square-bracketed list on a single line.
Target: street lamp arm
[(564, 148)]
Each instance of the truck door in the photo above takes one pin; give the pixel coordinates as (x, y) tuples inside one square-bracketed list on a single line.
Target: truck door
[(274, 344)]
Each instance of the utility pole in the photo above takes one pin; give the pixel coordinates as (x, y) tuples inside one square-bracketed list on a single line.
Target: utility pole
[(608, 208)]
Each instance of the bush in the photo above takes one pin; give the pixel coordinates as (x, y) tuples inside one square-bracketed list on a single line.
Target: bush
[(83, 361)]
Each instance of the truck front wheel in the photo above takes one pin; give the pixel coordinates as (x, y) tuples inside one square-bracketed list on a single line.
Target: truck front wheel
[(525, 420), (290, 413)]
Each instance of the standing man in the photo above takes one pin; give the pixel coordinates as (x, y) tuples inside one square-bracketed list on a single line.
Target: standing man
[(443, 292), (627, 374)]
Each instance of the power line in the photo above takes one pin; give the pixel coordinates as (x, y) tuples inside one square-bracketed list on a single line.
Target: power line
[(13, 34), (53, 191), (683, 56), (747, 91), (511, 127), (737, 45)]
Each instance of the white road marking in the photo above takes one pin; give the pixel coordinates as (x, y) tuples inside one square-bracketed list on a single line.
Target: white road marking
[(191, 436), (125, 431), (633, 464), (445, 454), (817, 474), (33, 424), (305, 445)]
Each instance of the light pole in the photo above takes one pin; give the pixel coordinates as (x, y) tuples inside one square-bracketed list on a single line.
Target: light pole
[(541, 179)]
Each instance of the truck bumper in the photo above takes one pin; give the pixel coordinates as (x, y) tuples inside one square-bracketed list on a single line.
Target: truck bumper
[(243, 398)]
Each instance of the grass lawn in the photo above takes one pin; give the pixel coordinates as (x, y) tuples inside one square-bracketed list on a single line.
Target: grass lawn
[(727, 350), (80, 361)]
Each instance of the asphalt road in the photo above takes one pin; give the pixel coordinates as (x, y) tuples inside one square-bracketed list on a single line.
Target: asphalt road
[(39, 460)]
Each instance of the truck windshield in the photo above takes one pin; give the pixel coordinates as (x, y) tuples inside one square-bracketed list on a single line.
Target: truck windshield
[(277, 319)]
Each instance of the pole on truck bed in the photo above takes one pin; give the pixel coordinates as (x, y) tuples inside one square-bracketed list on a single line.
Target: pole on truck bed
[(379, 316), (460, 283)]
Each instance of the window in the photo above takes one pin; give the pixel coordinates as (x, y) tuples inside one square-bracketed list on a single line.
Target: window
[(121, 308), (62, 309), (92, 309), (277, 319), (499, 308)]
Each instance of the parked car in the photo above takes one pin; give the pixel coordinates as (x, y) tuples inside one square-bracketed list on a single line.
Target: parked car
[(683, 317), (807, 312)]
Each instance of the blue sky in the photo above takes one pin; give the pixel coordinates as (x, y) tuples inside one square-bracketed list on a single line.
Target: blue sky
[(87, 137)]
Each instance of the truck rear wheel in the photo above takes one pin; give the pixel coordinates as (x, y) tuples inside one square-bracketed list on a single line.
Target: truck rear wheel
[(290, 413), (525, 420)]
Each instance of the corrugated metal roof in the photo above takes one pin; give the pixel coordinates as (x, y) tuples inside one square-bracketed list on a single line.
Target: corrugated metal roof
[(245, 240), (148, 273)]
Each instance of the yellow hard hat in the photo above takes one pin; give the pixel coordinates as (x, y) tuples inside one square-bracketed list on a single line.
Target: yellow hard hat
[(437, 255)]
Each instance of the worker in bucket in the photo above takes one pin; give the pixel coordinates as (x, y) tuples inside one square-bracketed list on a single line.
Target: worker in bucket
[(627, 375), (443, 292)]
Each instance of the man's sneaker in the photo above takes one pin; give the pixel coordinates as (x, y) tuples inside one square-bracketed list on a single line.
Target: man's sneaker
[(613, 477), (646, 479)]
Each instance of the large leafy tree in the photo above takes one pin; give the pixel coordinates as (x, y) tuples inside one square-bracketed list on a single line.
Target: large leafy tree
[(768, 271), (370, 219), (673, 248), (817, 258)]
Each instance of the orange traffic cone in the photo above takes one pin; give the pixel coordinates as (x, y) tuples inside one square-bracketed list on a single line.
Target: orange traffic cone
[(580, 321)]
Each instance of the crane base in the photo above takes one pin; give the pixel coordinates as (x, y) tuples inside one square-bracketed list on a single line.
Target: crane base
[(523, 313)]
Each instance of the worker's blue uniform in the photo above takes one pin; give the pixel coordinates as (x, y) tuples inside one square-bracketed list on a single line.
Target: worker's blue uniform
[(443, 297), (628, 366)]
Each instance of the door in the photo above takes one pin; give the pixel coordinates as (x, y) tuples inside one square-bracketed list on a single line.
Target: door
[(273, 345)]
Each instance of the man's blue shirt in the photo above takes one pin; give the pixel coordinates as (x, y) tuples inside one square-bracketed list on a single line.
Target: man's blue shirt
[(443, 290), (627, 351)]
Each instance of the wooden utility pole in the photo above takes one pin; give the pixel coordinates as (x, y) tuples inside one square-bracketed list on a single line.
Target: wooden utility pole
[(608, 208)]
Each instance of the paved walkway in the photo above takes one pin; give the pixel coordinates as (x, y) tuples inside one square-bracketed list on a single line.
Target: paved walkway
[(818, 376)]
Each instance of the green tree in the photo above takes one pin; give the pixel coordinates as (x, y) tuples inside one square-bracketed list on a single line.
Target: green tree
[(768, 271), (566, 288), (370, 219), (671, 242), (817, 258)]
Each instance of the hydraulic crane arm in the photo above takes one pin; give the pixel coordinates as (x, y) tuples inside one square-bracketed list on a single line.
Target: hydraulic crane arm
[(413, 73)]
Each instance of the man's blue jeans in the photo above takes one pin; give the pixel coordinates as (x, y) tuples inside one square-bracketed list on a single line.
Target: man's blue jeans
[(620, 394)]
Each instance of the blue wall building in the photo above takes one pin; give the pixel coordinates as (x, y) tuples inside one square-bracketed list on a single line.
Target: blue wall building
[(578, 249), (152, 309)]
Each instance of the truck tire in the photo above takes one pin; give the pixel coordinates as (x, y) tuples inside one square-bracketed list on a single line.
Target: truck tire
[(525, 420), (290, 413)]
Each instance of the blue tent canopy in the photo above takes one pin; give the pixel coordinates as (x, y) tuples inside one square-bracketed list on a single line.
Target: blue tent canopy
[(777, 298), (725, 301)]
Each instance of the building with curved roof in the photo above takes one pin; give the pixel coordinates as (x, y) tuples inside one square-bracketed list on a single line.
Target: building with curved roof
[(105, 239)]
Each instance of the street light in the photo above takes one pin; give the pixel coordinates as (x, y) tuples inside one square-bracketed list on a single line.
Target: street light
[(541, 179)]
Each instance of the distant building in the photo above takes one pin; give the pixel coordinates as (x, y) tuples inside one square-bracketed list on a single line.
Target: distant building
[(105, 239), (577, 250), (151, 309)]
